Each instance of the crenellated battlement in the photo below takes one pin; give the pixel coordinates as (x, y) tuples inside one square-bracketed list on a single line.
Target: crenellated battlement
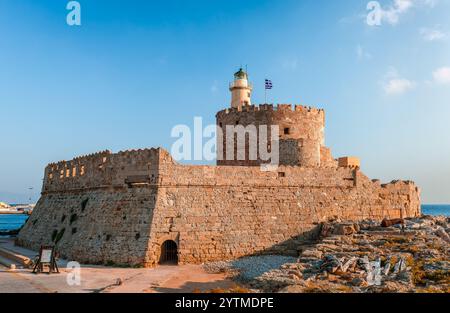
[(398, 184), (301, 132), (123, 207), (132, 153), (82, 158), (102, 169), (272, 108)]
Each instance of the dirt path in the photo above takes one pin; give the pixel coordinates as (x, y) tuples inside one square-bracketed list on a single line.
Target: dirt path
[(185, 278), (192, 278)]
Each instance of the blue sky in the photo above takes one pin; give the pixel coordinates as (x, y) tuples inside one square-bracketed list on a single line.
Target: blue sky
[(135, 69)]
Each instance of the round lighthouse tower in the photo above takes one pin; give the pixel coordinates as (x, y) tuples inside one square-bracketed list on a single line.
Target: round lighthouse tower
[(241, 90)]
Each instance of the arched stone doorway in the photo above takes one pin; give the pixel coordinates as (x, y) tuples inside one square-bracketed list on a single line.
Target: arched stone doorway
[(169, 253)]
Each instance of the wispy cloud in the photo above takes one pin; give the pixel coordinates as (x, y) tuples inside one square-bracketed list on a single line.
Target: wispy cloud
[(289, 64), (442, 76), (392, 12), (362, 54), (432, 34), (396, 85), (214, 87)]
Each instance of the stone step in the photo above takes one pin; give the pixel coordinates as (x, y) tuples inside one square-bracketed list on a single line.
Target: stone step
[(19, 259), (9, 263), (390, 233)]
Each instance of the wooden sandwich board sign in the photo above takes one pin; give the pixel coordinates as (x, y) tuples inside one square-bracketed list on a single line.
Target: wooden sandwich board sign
[(47, 258)]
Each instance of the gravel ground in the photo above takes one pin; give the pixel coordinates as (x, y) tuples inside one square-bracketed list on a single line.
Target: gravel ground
[(249, 268)]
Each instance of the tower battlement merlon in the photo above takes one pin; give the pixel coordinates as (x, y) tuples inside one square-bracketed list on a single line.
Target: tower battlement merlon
[(138, 152), (301, 130), (106, 153), (79, 159), (274, 108)]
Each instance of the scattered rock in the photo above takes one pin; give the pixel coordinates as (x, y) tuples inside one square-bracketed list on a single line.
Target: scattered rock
[(331, 264), (312, 253), (440, 232), (357, 257), (348, 264), (437, 266), (400, 266), (359, 282), (405, 276), (393, 222), (340, 229), (296, 274), (217, 267)]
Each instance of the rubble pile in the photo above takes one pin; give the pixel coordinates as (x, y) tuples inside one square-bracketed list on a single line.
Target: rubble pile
[(409, 255)]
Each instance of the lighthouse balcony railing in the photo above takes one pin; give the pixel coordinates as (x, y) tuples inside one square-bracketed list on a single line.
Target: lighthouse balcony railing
[(241, 85)]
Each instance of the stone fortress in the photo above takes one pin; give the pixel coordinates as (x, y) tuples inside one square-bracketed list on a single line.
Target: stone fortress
[(141, 208)]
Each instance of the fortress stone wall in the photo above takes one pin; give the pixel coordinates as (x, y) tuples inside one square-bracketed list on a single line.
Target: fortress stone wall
[(120, 208), (97, 208), (301, 131), (139, 207), (227, 212)]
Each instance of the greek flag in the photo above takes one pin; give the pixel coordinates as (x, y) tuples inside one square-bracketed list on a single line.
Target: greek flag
[(268, 84)]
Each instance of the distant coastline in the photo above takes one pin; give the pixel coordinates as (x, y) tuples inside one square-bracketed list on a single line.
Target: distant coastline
[(16, 208), (13, 212)]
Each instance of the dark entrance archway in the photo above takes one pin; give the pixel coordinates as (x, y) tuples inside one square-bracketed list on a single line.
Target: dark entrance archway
[(169, 253)]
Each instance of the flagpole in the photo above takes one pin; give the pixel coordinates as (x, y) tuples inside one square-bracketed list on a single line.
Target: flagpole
[(265, 93)]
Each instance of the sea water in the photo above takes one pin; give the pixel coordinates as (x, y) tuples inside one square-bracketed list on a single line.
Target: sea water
[(436, 209), (12, 221)]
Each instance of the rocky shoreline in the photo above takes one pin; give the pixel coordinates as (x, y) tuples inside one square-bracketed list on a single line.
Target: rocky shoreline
[(348, 257)]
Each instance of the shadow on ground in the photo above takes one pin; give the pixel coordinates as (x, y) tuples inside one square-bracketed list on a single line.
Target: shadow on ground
[(201, 287)]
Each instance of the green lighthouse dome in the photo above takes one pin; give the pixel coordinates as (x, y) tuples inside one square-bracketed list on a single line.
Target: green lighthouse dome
[(240, 74)]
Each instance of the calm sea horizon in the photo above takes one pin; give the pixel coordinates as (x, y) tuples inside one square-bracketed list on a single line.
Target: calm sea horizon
[(15, 221), (436, 209)]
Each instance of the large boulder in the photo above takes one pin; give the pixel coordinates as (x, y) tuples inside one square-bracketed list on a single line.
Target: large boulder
[(339, 229)]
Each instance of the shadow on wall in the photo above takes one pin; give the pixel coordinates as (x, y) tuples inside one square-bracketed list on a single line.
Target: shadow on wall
[(251, 266), (292, 246), (238, 273)]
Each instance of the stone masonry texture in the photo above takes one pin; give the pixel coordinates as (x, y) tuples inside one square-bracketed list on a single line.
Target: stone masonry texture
[(120, 208)]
